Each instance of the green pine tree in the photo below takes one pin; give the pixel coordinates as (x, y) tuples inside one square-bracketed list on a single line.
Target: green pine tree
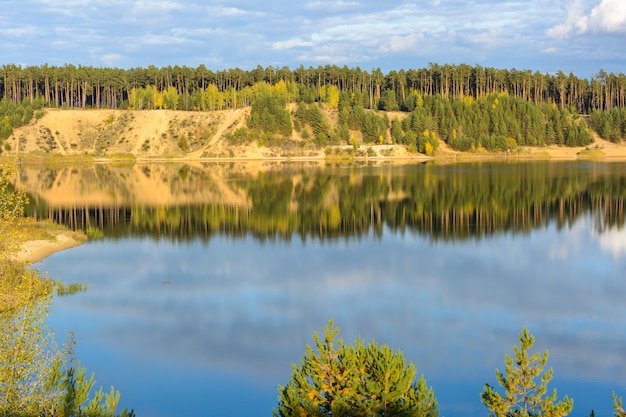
[(354, 380), (525, 397)]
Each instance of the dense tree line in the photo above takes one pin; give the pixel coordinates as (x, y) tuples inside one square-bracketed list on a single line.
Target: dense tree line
[(496, 122), (470, 108), (85, 86)]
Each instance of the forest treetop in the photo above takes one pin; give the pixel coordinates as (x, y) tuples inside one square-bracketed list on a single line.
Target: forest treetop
[(86, 86)]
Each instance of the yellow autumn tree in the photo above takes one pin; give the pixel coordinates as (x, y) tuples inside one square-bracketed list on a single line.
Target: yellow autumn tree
[(11, 210), (26, 345), (330, 95), (36, 378)]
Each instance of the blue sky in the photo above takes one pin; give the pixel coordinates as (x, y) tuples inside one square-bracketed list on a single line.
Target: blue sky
[(579, 36)]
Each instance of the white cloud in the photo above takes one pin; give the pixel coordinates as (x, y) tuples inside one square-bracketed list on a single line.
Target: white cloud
[(291, 43), (111, 59), (230, 11), (19, 32), (325, 5), (575, 20), (401, 44), (156, 6), (153, 39), (608, 16)]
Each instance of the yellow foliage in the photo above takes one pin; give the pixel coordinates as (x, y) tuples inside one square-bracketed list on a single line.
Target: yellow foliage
[(280, 88), (25, 343), (420, 101), (158, 101), (426, 133), (428, 149), (11, 211), (511, 143), (330, 95)]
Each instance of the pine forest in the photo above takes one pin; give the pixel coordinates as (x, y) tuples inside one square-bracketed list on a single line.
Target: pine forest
[(469, 108)]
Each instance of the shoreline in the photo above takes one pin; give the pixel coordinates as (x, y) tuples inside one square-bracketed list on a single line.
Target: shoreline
[(36, 250), (601, 150)]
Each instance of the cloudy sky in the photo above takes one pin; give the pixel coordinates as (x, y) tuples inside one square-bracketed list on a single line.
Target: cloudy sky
[(581, 36)]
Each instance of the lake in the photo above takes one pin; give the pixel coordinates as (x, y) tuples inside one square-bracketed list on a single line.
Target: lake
[(210, 279)]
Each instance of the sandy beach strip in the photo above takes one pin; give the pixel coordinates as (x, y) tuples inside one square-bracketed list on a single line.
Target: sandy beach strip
[(36, 250)]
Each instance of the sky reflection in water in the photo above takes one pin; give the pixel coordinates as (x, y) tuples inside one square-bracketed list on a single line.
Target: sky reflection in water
[(212, 328)]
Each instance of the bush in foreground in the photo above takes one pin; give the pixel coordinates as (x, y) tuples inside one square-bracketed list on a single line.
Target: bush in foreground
[(354, 380)]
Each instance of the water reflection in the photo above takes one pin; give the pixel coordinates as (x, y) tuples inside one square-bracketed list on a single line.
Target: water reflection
[(184, 202), (247, 309), (214, 310)]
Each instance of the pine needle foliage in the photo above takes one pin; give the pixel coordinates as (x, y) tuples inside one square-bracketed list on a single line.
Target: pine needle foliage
[(619, 406), (354, 380), (523, 395)]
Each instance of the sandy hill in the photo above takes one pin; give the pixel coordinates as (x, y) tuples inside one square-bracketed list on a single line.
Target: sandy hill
[(156, 134), (198, 135), (149, 133)]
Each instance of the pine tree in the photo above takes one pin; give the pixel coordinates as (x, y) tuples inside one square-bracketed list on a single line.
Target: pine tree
[(524, 397), (354, 380)]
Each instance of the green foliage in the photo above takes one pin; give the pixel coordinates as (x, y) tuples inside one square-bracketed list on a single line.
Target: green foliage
[(619, 406), (13, 115), (242, 136), (203, 89), (351, 110), (311, 115), (388, 101), (183, 143), (610, 125), (374, 126), (357, 379), (494, 123), (63, 290), (523, 396), (69, 392), (269, 114)]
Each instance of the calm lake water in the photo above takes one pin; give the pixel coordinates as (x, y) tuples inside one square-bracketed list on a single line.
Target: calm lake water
[(211, 279)]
